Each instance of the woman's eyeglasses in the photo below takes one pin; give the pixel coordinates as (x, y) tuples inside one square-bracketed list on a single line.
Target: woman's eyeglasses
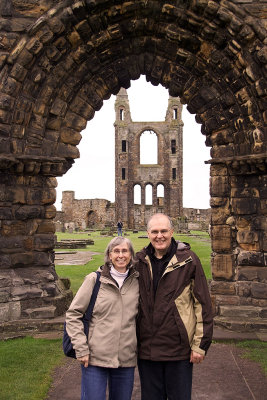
[(123, 251)]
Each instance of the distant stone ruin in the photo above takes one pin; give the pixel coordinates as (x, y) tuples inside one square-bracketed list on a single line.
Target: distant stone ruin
[(132, 176), (99, 214)]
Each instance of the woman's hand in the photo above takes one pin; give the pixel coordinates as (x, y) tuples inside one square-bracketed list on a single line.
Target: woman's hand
[(196, 358), (84, 360)]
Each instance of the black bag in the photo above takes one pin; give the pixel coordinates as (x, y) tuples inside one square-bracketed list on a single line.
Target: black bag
[(67, 345)]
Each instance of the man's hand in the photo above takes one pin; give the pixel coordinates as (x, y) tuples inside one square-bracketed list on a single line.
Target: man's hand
[(84, 360), (196, 358)]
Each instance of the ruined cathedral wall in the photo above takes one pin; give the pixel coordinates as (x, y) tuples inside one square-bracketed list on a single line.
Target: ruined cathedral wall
[(84, 213)]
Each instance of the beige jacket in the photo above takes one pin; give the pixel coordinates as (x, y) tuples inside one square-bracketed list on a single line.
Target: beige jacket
[(112, 332)]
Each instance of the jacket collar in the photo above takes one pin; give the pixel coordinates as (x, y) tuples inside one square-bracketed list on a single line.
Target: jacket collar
[(105, 271)]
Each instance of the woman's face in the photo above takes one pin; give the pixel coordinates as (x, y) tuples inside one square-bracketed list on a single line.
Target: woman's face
[(120, 256)]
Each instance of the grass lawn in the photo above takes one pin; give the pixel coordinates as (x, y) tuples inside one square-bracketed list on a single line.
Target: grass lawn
[(26, 365), (256, 351)]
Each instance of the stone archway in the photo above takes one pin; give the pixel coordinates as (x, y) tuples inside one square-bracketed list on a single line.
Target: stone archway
[(59, 62), (92, 219)]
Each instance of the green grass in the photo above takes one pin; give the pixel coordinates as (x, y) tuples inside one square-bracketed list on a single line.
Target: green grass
[(76, 273), (26, 366), (256, 351)]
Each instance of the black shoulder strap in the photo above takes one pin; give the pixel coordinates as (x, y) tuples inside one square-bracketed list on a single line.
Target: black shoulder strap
[(90, 308)]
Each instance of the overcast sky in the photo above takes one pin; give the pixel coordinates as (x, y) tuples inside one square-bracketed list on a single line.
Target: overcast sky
[(93, 174)]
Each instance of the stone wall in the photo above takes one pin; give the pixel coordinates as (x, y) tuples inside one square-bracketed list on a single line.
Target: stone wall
[(87, 213), (60, 60)]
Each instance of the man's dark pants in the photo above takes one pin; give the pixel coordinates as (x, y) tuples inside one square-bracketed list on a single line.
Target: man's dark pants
[(162, 380)]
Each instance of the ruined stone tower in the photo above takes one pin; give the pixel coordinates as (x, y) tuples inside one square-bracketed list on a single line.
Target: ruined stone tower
[(131, 174)]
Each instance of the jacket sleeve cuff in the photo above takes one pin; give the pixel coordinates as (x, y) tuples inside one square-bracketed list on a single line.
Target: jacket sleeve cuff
[(198, 350), (80, 354)]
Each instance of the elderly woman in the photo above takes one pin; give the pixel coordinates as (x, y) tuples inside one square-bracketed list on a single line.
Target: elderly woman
[(108, 355)]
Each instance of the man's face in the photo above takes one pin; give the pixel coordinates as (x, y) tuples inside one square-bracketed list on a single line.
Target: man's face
[(160, 234)]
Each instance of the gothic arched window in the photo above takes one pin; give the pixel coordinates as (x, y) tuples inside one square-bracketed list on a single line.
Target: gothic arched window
[(137, 194), (148, 148), (149, 195)]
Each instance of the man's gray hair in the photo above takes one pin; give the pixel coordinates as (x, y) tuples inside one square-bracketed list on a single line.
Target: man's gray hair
[(159, 215), (116, 242)]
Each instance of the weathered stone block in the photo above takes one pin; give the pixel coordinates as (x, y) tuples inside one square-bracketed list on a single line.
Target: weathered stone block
[(19, 228), (244, 206), (26, 292), (4, 143), (5, 279), (263, 313), (243, 223), (28, 212), (219, 215), (22, 260), (11, 245), (16, 195), (44, 242), (6, 102), (221, 238), (36, 196), (67, 150), (222, 266), (4, 312), (252, 274), (46, 227), (218, 170), (225, 288), (243, 289), (59, 107), (219, 186), (227, 300), (40, 312), (50, 289), (14, 310), (248, 240), (218, 201), (5, 213), (18, 72), (75, 121), (4, 295), (259, 302), (35, 275), (222, 151), (50, 212), (250, 258), (259, 290), (5, 261), (11, 86), (81, 107), (240, 312), (70, 136)]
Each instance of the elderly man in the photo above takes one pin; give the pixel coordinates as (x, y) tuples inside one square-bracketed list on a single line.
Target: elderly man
[(175, 320)]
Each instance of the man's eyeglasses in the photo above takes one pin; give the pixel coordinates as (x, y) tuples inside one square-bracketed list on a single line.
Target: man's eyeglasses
[(163, 232), (117, 251)]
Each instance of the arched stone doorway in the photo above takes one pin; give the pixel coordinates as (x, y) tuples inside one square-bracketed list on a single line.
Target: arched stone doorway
[(92, 219), (58, 63)]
